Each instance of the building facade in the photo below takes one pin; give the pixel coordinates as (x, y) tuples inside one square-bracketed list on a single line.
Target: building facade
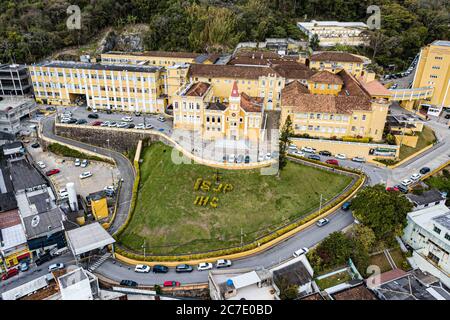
[(14, 80), (433, 71), (196, 108), (12, 109), (126, 88), (333, 106), (331, 33), (334, 62)]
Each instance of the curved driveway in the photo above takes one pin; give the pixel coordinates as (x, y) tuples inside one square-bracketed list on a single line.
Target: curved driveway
[(309, 237)]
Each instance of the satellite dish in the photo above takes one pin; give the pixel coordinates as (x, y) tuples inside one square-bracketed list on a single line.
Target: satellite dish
[(35, 221), (229, 282)]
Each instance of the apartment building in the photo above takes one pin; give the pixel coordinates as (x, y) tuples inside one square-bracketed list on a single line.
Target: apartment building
[(116, 87), (428, 233), (335, 61), (14, 80), (433, 71), (12, 109), (196, 108), (331, 33), (333, 106), (157, 58)]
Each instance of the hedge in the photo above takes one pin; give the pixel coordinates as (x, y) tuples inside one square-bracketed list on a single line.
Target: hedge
[(247, 247), (65, 151)]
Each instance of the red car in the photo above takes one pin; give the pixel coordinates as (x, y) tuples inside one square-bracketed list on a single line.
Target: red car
[(10, 273), (392, 189), (52, 172), (97, 123), (171, 284), (332, 161)]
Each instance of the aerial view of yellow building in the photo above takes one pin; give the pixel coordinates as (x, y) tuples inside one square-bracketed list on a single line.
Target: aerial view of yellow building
[(433, 71), (333, 105), (116, 87), (239, 118), (335, 61)]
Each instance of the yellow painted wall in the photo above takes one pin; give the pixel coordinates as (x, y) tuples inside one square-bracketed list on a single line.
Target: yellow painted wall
[(354, 68), (100, 209)]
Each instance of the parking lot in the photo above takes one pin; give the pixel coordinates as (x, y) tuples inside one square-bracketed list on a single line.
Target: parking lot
[(102, 173)]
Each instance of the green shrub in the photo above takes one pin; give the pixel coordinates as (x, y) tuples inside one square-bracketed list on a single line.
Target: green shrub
[(65, 151)]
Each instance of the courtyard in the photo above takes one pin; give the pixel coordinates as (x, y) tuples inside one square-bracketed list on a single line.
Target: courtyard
[(187, 208)]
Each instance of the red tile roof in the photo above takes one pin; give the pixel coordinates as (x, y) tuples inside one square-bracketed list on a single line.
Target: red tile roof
[(198, 89), (326, 77), (9, 218), (227, 71), (335, 56), (392, 275), (251, 104)]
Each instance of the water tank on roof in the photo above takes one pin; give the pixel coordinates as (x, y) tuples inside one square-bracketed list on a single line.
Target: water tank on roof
[(229, 282), (73, 201)]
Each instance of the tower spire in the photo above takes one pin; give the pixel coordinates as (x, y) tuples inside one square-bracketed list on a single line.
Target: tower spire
[(235, 91)]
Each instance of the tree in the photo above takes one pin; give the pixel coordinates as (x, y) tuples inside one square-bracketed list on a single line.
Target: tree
[(314, 42), (365, 236), (288, 291), (285, 141), (382, 211)]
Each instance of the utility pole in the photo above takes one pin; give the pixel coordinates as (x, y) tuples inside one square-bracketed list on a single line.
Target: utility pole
[(242, 237), (320, 205), (144, 246)]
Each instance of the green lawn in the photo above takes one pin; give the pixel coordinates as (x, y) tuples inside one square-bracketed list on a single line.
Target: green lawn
[(169, 222), (399, 259), (333, 280), (426, 137), (381, 261)]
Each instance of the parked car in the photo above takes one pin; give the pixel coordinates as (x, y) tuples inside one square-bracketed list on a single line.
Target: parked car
[(293, 147), (131, 126), (93, 116), (10, 273), (85, 175), (41, 164), (160, 269), (325, 153), (84, 163), (299, 153), (299, 252), (161, 118), (24, 266), (105, 124), (72, 121), (55, 266), (127, 119), (392, 189), (77, 162), (346, 206), (140, 126), (96, 123), (308, 149), (322, 222), (81, 121), (314, 157), (149, 126), (137, 114), (183, 268), (341, 156), (142, 268), (447, 116), (401, 188), (415, 177), (112, 124), (268, 156), (63, 194), (240, 158), (35, 145), (231, 158), (204, 266), (424, 170), (223, 263), (52, 172), (43, 259), (171, 284), (122, 125), (247, 159), (358, 159), (333, 162), (128, 283), (406, 182)]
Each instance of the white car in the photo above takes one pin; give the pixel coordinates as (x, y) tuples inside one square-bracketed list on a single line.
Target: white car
[(341, 156), (142, 268), (322, 222), (112, 125), (63, 194), (122, 125), (406, 182), (148, 126), (231, 158), (292, 147), (204, 266), (85, 175), (41, 164), (127, 119), (358, 159), (415, 177), (308, 149), (223, 263), (55, 266), (77, 162), (84, 163), (65, 120), (109, 188), (299, 153), (299, 252), (140, 126), (161, 118), (105, 124), (268, 156)]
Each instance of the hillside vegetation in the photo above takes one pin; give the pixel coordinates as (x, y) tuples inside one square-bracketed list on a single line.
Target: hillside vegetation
[(33, 29)]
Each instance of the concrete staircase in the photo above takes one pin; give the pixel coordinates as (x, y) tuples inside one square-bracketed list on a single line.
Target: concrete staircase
[(99, 262)]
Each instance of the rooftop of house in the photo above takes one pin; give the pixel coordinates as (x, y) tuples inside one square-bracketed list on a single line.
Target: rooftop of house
[(251, 104), (216, 106), (88, 237), (197, 89), (43, 223), (293, 71), (375, 88), (429, 196), (351, 97), (166, 54), (443, 43), (8, 103), (359, 292), (326, 77), (315, 23), (12, 237), (24, 175), (411, 287), (424, 217), (229, 71), (295, 273), (9, 218), (98, 66), (335, 56)]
